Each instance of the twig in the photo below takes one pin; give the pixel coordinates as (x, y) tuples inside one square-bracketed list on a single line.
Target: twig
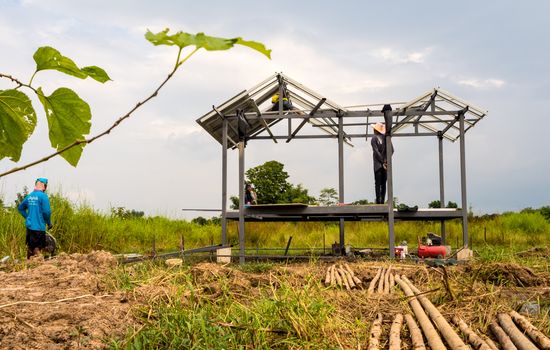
[(18, 319), (53, 302), (106, 132)]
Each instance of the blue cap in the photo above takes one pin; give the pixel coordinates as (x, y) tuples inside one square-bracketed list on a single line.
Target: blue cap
[(43, 180)]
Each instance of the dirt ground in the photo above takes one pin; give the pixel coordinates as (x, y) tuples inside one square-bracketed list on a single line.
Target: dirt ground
[(63, 303)]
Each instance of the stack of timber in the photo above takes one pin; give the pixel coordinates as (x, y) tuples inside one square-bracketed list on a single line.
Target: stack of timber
[(383, 282), (512, 330), (342, 276)]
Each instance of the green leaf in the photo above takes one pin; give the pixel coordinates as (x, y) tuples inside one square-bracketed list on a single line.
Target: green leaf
[(49, 58), (96, 73), (68, 121), (17, 122), (201, 40), (255, 45)]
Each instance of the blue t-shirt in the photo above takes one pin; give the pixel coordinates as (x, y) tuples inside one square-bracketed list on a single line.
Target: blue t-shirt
[(36, 210)]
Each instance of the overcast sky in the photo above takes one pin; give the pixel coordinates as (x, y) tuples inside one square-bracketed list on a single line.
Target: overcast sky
[(494, 54)]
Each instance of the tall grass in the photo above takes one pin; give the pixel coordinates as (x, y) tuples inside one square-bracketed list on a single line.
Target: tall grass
[(81, 228)]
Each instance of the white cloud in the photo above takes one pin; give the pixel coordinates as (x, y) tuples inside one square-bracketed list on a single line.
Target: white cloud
[(162, 129), (398, 57), (482, 83)]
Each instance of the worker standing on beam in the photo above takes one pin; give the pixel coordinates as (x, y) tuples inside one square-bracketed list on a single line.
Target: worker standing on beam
[(380, 162), (35, 208)]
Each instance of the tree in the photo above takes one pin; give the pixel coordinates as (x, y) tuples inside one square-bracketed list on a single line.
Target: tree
[(437, 204), (299, 194), (68, 116), (21, 196), (328, 196), (270, 182)]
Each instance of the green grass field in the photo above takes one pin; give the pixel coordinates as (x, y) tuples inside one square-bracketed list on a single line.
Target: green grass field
[(80, 228)]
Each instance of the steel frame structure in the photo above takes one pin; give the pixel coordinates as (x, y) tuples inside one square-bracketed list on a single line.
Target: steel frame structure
[(249, 117)]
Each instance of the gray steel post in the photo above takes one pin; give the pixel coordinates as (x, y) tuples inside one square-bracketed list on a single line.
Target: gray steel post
[(341, 177), (463, 182), (441, 186), (224, 182), (391, 219), (241, 201)]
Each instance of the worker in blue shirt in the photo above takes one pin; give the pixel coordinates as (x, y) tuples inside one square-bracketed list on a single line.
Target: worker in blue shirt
[(35, 208)]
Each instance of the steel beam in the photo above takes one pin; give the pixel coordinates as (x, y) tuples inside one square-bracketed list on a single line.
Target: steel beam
[(241, 202), (441, 186), (306, 119), (463, 182), (389, 149), (341, 177), (224, 182)]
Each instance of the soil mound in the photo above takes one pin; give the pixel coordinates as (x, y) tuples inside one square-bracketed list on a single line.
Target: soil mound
[(510, 274), (61, 303)]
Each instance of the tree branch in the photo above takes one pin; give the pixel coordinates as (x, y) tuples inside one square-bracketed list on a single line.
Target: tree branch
[(106, 132)]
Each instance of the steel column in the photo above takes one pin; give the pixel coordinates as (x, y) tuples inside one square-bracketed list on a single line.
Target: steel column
[(463, 182), (389, 149), (241, 202), (224, 182), (441, 186), (341, 177)]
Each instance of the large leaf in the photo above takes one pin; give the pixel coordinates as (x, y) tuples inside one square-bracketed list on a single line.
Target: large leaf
[(96, 73), (49, 58), (201, 40), (17, 122), (68, 120)]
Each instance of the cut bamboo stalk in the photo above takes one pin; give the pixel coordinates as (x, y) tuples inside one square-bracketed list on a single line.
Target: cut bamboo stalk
[(452, 338), (348, 276), (518, 338), (490, 342), (337, 275), (332, 276), (356, 280), (387, 281), (327, 277), (434, 341), (415, 332), (392, 282), (346, 266), (503, 338), (395, 332), (344, 278), (381, 281), (477, 342), (373, 282), (532, 331), (375, 332)]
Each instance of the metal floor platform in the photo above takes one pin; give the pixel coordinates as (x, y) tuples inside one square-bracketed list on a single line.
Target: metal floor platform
[(335, 213)]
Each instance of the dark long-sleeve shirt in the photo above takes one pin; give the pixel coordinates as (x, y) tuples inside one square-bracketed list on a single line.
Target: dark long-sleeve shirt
[(378, 143)]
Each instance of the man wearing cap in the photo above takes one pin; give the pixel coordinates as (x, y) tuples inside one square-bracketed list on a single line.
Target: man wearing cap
[(35, 208), (378, 143)]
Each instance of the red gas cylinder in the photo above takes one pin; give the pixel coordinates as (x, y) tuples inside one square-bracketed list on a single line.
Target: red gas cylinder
[(431, 251)]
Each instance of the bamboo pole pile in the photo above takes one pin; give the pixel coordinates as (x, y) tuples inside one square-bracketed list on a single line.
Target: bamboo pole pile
[(342, 276), (383, 282), (510, 336)]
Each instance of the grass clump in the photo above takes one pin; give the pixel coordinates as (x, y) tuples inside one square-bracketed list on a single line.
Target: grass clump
[(222, 311)]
